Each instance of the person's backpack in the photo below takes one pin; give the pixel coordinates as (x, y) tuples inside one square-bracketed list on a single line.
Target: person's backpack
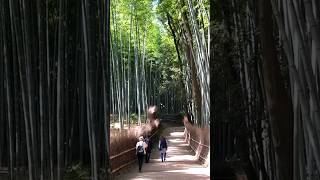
[(140, 149)]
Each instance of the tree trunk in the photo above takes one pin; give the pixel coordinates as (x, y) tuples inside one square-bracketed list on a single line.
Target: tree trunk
[(276, 96)]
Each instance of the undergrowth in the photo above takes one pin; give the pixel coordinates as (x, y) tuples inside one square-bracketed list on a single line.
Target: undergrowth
[(77, 172)]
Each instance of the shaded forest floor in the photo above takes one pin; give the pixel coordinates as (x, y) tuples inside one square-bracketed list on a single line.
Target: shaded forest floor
[(180, 162)]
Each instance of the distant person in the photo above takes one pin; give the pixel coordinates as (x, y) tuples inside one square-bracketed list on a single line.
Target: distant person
[(163, 148), (148, 141), (141, 151)]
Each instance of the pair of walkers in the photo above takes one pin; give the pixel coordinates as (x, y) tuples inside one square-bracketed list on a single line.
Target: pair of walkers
[(144, 147)]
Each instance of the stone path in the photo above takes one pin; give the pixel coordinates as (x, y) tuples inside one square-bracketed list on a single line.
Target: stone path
[(180, 162)]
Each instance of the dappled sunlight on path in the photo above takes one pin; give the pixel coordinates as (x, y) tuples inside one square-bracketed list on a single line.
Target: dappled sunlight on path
[(180, 162)]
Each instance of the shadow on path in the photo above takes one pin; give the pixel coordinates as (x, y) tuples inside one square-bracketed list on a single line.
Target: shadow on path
[(180, 162)]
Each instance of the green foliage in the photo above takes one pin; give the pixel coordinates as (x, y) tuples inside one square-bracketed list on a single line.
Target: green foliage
[(182, 113), (160, 50), (134, 117), (77, 172)]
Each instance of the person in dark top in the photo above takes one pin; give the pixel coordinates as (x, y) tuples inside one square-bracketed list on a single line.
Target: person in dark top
[(163, 148), (148, 141)]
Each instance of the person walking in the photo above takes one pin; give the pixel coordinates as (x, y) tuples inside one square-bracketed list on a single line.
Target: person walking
[(163, 148), (148, 141), (141, 151)]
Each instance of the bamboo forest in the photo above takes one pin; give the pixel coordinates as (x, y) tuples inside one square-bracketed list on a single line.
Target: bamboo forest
[(85, 83), (150, 64)]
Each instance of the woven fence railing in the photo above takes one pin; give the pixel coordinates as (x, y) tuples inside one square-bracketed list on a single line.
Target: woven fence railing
[(126, 157), (199, 148)]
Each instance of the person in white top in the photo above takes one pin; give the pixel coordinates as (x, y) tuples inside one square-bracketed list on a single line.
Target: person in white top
[(141, 151)]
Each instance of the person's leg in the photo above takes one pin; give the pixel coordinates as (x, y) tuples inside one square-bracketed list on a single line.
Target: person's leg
[(140, 159), (161, 155), (148, 157), (138, 156)]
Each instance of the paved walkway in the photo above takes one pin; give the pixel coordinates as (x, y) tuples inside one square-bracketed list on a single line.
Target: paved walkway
[(180, 162)]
